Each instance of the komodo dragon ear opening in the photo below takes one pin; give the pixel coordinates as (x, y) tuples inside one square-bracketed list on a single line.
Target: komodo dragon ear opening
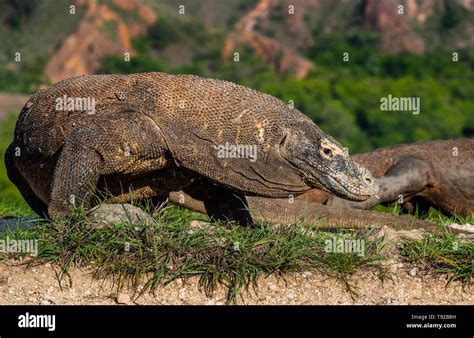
[(283, 145)]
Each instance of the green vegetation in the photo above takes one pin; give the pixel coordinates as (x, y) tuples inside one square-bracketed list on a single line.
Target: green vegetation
[(11, 202), (453, 15), (166, 32), (17, 12), (34, 29), (444, 253), (344, 98), (10, 208), (23, 77), (136, 64)]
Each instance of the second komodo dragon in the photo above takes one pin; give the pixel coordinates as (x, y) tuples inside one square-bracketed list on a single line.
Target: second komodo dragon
[(418, 176), (150, 134)]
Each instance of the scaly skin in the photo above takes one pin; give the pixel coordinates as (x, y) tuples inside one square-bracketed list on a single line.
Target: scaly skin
[(282, 211), (152, 133), (435, 173)]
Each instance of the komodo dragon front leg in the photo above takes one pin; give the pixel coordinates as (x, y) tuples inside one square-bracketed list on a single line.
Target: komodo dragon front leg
[(407, 177), (129, 146)]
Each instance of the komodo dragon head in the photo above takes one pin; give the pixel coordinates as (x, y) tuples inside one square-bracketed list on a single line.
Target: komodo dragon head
[(326, 165)]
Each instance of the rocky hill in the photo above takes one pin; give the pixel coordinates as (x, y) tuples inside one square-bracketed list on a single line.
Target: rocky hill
[(277, 31)]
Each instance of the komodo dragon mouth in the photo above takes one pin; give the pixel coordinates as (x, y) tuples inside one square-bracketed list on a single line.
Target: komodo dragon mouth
[(344, 178), (344, 187)]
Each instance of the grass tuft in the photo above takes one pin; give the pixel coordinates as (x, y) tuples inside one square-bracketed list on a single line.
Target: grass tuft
[(444, 253)]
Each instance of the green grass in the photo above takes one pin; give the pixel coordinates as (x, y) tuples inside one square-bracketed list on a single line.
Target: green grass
[(225, 255), (11, 201), (14, 209), (440, 253), (443, 253)]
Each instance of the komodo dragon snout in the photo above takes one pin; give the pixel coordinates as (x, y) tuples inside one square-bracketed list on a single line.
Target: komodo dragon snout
[(326, 165)]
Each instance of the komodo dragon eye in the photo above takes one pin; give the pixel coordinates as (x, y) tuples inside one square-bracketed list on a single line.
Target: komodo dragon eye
[(327, 151)]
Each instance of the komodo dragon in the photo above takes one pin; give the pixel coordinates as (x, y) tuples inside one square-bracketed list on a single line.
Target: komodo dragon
[(150, 134), (435, 173)]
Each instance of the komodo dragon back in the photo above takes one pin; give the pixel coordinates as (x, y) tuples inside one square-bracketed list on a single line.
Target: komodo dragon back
[(202, 119), (196, 116)]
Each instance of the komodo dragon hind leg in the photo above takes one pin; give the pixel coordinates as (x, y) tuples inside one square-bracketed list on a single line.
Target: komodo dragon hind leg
[(17, 178), (220, 203), (408, 176)]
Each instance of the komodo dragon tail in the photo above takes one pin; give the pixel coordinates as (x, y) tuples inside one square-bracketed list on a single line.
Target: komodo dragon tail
[(280, 211)]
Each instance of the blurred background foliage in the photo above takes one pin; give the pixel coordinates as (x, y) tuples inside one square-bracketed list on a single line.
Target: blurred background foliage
[(343, 98)]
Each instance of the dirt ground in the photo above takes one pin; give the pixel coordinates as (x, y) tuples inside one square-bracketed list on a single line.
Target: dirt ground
[(38, 285)]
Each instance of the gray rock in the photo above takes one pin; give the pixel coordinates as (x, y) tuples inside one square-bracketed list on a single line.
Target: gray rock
[(413, 272), (119, 213)]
